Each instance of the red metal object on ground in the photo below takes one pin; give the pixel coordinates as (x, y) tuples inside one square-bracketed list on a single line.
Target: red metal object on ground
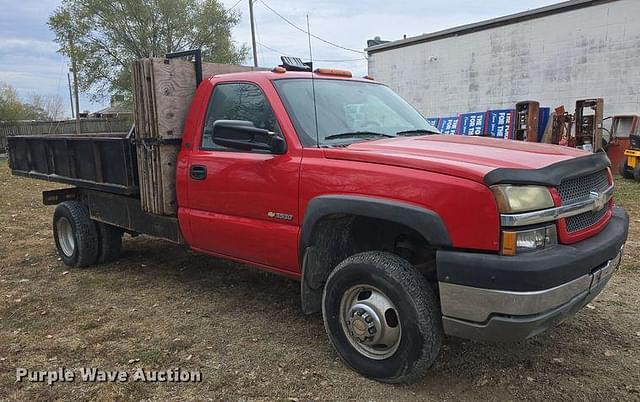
[(621, 128)]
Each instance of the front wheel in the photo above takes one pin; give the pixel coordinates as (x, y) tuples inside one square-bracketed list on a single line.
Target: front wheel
[(382, 317)]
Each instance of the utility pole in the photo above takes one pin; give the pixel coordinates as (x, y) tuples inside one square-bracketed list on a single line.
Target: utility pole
[(253, 35), (73, 115), (74, 71)]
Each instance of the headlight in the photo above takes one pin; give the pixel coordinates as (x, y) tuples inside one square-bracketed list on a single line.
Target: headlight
[(512, 198), (516, 242)]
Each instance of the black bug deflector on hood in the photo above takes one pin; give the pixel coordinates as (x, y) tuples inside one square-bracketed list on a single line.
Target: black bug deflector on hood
[(550, 175)]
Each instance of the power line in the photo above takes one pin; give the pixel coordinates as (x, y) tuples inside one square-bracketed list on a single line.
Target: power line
[(340, 60), (272, 49), (323, 60), (258, 41), (234, 6), (307, 33)]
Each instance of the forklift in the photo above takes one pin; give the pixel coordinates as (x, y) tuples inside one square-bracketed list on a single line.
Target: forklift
[(630, 165)]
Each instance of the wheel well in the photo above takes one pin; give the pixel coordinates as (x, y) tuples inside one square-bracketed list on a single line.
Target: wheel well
[(338, 236)]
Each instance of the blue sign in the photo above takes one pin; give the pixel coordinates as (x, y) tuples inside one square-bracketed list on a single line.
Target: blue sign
[(448, 125), (433, 121), (500, 123), (472, 123), (543, 120)]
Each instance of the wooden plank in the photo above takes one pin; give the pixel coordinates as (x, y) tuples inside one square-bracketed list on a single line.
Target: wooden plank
[(146, 98), (168, 162), (153, 107), (162, 91), (135, 84), (174, 87), (142, 176)]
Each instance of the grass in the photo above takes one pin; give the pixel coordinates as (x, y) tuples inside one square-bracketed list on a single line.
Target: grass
[(627, 195), (244, 331)]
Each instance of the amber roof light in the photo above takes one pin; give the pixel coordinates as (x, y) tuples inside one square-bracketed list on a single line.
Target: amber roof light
[(333, 71)]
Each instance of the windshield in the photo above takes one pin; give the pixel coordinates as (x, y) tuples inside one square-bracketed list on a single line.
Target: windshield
[(348, 111)]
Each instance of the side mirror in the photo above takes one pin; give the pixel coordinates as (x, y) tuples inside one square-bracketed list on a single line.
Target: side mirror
[(242, 135)]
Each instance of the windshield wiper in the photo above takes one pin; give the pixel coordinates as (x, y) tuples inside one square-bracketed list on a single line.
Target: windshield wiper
[(417, 131), (357, 134)]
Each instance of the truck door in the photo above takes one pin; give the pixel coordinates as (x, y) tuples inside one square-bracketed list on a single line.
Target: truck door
[(243, 204)]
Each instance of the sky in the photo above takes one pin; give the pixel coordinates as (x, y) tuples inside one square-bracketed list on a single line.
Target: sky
[(30, 63)]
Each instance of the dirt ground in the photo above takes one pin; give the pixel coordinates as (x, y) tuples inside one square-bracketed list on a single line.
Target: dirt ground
[(161, 306)]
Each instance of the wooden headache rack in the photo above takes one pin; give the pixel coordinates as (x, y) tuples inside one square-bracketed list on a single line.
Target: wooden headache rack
[(162, 92)]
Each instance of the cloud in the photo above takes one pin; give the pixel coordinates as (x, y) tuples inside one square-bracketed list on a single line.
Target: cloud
[(28, 56), (29, 61), (351, 23)]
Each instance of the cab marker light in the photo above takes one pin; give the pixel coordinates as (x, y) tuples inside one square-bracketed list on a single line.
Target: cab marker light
[(334, 71)]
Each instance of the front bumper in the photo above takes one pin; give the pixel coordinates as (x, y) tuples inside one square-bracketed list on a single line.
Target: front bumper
[(510, 298)]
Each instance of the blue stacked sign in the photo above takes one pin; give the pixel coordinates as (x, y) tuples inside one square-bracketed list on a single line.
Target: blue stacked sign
[(500, 123), (471, 123), (543, 120), (448, 125), (433, 121)]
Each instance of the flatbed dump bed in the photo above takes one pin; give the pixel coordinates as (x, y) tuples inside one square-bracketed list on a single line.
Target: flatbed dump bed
[(104, 170), (105, 162)]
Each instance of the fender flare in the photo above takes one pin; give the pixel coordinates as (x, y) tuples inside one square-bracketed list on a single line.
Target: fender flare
[(422, 220), (314, 270)]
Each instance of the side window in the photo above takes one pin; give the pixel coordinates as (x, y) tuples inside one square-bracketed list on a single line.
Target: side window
[(237, 101)]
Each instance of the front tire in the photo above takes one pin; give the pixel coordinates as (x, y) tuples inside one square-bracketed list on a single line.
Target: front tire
[(75, 234), (382, 317)]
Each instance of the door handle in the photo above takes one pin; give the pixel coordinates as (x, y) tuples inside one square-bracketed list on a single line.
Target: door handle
[(198, 172)]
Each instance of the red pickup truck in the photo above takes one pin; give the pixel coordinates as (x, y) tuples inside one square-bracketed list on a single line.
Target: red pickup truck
[(398, 235)]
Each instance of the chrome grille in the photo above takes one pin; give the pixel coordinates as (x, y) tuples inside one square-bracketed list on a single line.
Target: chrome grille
[(584, 220), (578, 188)]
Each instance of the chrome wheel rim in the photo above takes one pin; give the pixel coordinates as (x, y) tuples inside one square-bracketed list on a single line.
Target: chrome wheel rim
[(370, 322), (66, 240)]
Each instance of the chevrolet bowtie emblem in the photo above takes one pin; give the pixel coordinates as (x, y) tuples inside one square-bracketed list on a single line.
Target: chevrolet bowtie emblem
[(600, 200)]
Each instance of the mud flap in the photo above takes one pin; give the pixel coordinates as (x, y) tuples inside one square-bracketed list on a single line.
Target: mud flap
[(312, 283)]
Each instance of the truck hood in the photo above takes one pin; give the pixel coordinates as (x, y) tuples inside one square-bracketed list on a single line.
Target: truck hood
[(462, 156)]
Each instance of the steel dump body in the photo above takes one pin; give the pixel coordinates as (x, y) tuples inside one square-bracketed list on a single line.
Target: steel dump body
[(104, 162)]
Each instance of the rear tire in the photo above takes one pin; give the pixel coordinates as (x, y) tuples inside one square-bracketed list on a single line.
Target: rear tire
[(110, 242), (75, 234), (624, 171), (382, 317)]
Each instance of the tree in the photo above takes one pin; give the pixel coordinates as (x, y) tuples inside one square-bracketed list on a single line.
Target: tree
[(12, 108), (104, 37), (49, 107)]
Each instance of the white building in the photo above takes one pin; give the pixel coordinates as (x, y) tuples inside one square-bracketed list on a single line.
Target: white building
[(557, 54)]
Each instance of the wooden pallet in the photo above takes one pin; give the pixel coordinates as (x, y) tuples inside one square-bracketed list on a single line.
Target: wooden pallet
[(162, 94)]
